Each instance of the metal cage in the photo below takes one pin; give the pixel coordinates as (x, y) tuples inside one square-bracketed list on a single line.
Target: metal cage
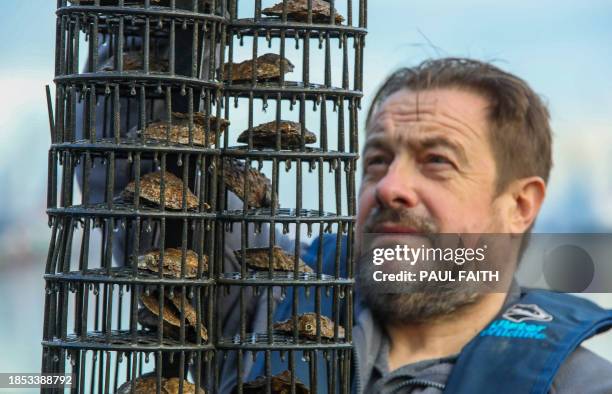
[(145, 227)]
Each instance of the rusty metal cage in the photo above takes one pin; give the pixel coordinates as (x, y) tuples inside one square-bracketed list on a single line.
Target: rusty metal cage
[(148, 282)]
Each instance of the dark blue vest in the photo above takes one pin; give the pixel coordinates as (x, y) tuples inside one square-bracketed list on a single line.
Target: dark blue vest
[(519, 352), (523, 348)]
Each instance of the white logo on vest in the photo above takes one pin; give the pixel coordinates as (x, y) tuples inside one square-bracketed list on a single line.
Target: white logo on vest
[(521, 312)]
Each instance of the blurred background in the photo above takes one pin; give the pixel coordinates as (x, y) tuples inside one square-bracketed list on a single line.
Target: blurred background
[(561, 48)]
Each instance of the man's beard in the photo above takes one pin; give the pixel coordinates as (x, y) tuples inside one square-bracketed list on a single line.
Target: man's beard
[(408, 302)]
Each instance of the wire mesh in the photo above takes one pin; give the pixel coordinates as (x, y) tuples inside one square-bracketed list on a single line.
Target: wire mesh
[(165, 228)]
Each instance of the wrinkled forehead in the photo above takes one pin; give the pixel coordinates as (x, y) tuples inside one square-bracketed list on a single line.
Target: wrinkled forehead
[(434, 108)]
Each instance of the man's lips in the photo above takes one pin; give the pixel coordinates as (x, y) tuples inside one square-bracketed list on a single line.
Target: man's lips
[(394, 229)]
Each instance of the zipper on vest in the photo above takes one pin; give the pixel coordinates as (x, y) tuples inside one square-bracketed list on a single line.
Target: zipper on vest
[(357, 371), (417, 382)]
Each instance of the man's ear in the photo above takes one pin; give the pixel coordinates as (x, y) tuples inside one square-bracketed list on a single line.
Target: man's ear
[(526, 198)]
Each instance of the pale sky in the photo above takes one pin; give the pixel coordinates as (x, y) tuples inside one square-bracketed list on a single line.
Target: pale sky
[(562, 48)]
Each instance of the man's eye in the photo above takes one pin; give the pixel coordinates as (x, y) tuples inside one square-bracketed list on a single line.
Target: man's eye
[(437, 160), (375, 166), (376, 161)]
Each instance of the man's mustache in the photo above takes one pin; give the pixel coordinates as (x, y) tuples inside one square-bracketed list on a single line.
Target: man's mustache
[(400, 217)]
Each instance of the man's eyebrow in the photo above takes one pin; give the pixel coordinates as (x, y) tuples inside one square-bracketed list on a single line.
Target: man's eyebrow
[(379, 141), (433, 142)]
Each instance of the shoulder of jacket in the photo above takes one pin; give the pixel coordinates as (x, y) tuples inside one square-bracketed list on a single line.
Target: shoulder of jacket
[(583, 372)]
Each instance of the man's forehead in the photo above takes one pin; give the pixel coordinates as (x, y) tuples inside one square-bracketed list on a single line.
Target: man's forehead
[(452, 114), (414, 105)]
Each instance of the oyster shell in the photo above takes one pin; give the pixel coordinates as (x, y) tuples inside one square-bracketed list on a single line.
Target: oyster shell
[(133, 61), (150, 190), (264, 135), (260, 187), (307, 326), (258, 258), (172, 387), (268, 68), (281, 384), (179, 131), (297, 10), (172, 262), (149, 321), (172, 313), (147, 384)]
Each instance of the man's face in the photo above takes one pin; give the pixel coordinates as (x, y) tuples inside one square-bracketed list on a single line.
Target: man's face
[(428, 152), (428, 167)]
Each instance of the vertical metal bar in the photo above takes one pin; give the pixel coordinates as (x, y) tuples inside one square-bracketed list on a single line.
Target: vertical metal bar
[(83, 262), (75, 41), (240, 369), (254, 68), (194, 46), (52, 179), (50, 114), (119, 313), (198, 362), (142, 110), (59, 45), (168, 101), (69, 46), (341, 136), (60, 113), (83, 366), (116, 114), (364, 13), (332, 12), (345, 62), (93, 43), (147, 41), (309, 12), (90, 129), (107, 370), (172, 41)]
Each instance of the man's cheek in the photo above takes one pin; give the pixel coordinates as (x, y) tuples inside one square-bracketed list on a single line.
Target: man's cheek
[(366, 201)]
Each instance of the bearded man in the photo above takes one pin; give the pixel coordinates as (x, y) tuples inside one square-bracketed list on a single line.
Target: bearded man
[(458, 146)]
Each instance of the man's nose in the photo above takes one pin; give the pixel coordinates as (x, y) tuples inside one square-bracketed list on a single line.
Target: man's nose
[(396, 189)]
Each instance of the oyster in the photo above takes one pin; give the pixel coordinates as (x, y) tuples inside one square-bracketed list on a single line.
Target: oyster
[(179, 131), (281, 384), (133, 61), (307, 326), (297, 10), (147, 384), (172, 313), (260, 187), (264, 135), (258, 258), (268, 68), (150, 190), (172, 386), (172, 262), (149, 321)]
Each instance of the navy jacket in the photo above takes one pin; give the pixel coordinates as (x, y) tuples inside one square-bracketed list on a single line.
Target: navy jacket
[(520, 351)]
